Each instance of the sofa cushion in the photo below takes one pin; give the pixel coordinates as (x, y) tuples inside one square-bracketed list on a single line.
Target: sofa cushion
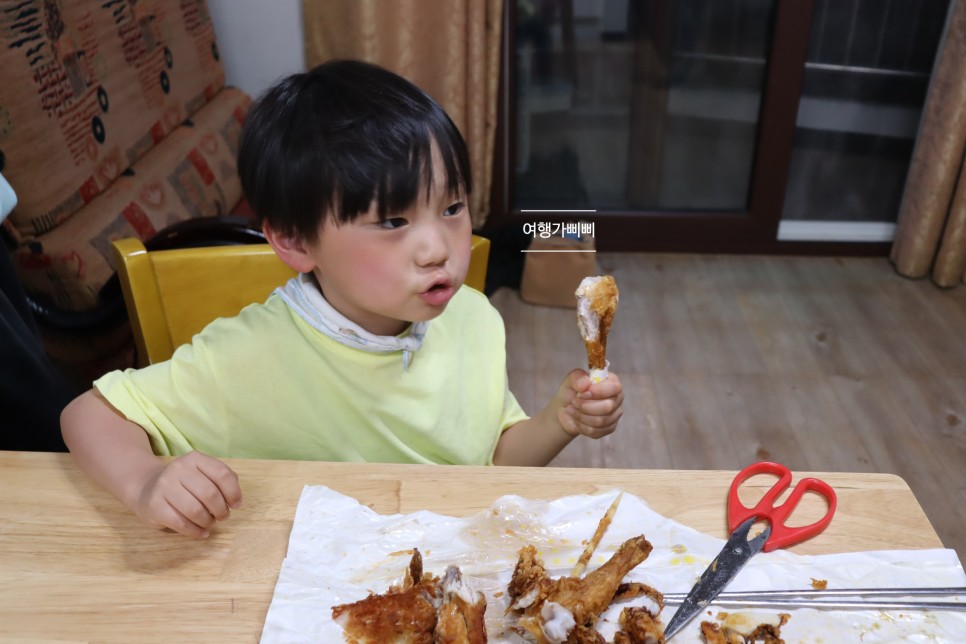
[(191, 173), (87, 87)]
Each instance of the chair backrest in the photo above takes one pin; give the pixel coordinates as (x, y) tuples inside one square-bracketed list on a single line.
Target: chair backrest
[(173, 294)]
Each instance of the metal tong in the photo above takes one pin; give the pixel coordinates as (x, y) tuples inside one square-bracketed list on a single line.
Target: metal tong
[(839, 599)]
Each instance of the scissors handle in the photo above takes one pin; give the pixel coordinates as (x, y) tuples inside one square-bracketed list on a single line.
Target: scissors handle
[(781, 535)]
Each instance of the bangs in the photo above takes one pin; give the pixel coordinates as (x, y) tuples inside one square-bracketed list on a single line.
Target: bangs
[(395, 184)]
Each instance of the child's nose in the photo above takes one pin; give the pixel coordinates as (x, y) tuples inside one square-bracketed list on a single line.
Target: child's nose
[(433, 247)]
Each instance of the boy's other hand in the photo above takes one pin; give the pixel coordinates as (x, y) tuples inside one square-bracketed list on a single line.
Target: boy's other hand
[(189, 494), (589, 409)]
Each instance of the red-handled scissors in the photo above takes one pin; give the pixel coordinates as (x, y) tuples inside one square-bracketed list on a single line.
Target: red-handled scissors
[(781, 535), (739, 548)]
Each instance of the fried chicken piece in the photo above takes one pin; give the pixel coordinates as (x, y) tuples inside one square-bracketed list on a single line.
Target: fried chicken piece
[(401, 616), (711, 634), (639, 626), (415, 571), (769, 633), (587, 598), (528, 572), (596, 305), (629, 591), (552, 608), (461, 613), (420, 610), (585, 635), (766, 633)]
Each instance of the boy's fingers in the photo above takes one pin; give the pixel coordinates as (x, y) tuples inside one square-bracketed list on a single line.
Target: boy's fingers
[(597, 422), (207, 494), (224, 479), (592, 407), (594, 432), (175, 520), (598, 407), (190, 507)]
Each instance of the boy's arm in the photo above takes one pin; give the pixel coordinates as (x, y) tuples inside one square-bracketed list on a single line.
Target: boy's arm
[(187, 494), (578, 408)]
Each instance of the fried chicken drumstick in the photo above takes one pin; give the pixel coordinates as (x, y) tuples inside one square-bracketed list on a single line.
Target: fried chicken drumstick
[(596, 306), (566, 609)]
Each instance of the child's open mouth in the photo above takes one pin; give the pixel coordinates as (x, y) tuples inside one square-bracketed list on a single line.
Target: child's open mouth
[(438, 294)]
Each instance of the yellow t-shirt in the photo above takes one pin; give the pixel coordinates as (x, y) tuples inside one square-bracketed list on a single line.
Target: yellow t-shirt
[(266, 384)]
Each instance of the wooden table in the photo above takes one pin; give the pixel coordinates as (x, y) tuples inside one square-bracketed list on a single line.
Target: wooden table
[(77, 566)]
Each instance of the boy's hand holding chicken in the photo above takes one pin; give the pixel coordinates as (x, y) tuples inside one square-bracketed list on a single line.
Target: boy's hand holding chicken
[(588, 404)]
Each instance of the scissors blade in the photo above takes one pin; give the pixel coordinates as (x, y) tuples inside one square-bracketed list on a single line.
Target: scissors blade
[(735, 554)]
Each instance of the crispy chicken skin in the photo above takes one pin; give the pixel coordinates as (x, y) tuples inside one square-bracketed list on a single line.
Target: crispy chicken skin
[(400, 617), (596, 306), (569, 604), (420, 610)]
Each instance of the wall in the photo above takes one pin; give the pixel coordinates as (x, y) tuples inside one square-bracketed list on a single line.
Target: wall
[(259, 41)]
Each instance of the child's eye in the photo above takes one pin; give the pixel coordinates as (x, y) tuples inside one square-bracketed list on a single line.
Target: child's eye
[(454, 209), (393, 223)]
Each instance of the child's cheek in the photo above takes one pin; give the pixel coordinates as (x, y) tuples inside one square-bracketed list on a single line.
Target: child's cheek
[(376, 269)]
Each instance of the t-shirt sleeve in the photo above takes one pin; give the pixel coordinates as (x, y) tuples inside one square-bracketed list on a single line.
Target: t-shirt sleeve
[(173, 401)]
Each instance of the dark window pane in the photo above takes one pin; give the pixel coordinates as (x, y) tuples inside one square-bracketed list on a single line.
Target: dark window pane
[(865, 85), (638, 104)]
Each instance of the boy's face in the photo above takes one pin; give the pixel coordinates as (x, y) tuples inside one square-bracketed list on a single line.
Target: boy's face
[(384, 275)]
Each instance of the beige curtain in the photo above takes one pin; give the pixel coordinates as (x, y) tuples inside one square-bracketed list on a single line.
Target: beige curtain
[(449, 48), (932, 217)]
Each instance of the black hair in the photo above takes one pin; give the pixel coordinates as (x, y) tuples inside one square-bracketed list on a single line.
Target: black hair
[(333, 140)]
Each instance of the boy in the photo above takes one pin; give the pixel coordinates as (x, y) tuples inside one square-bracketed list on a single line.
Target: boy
[(374, 353)]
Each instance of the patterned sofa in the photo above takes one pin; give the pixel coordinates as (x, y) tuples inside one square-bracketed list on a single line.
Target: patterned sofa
[(115, 121)]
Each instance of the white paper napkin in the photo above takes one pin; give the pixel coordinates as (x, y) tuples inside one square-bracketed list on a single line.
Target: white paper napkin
[(340, 551)]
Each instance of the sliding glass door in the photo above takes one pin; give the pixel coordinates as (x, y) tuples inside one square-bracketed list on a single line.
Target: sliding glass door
[(866, 77), (711, 124)]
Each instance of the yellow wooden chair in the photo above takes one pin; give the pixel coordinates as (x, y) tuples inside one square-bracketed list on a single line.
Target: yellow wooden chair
[(173, 294)]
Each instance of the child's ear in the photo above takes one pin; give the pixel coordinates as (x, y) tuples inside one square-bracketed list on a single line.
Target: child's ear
[(291, 250)]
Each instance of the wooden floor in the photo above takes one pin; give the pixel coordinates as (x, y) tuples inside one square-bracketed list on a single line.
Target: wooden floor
[(823, 364)]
